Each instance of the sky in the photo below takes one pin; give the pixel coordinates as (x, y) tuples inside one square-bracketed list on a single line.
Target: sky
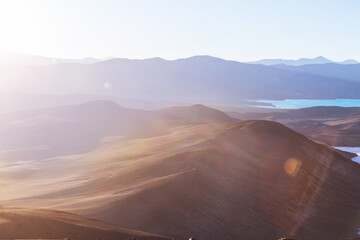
[(230, 29)]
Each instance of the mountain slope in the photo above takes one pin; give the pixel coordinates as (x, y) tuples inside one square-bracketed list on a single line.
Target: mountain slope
[(319, 112), (259, 199), (250, 179), (335, 126), (74, 129), (195, 114), (49, 224), (349, 72)]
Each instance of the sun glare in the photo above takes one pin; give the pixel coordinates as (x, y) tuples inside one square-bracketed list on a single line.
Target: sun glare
[(22, 25)]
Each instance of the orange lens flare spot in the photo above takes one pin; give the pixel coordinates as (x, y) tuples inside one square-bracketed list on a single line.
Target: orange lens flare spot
[(292, 166)]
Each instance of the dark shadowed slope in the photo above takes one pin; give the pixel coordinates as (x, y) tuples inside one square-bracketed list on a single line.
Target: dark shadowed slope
[(244, 180), (49, 224), (311, 113), (256, 180), (335, 126)]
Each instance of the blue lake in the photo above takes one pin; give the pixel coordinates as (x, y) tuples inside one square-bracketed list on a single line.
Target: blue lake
[(355, 150), (303, 103)]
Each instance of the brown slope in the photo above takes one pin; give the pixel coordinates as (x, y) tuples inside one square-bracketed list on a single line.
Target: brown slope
[(49, 224), (335, 126), (319, 112), (335, 132), (194, 114), (237, 187), (247, 180)]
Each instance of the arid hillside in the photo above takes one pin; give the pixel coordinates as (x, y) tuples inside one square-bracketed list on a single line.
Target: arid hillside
[(335, 126), (49, 224), (208, 179)]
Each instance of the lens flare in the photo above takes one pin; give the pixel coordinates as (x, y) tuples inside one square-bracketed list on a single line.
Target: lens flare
[(292, 166)]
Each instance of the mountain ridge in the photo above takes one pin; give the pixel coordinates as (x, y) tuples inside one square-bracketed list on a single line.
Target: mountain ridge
[(302, 61), (200, 79)]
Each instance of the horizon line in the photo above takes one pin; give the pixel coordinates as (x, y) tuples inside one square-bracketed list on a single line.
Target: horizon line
[(4, 51)]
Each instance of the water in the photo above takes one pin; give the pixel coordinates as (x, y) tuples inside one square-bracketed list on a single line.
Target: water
[(303, 103), (355, 150)]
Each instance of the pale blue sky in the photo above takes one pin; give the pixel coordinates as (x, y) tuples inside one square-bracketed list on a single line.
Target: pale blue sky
[(230, 29)]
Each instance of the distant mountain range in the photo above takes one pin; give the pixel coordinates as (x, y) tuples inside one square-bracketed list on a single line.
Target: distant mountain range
[(330, 70), (199, 79), (7, 57), (302, 61)]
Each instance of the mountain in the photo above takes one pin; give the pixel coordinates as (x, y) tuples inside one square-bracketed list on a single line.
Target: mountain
[(350, 61), (12, 58), (200, 79), (301, 61), (234, 180), (349, 72), (73, 129), (319, 112), (18, 223), (19, 101), (195, 114), (335, 126)]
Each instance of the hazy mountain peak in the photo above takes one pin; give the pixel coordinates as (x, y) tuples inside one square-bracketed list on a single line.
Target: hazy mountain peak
[(14, 58), (321, 58), (350, 61), (199, 106), (301, 61)]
